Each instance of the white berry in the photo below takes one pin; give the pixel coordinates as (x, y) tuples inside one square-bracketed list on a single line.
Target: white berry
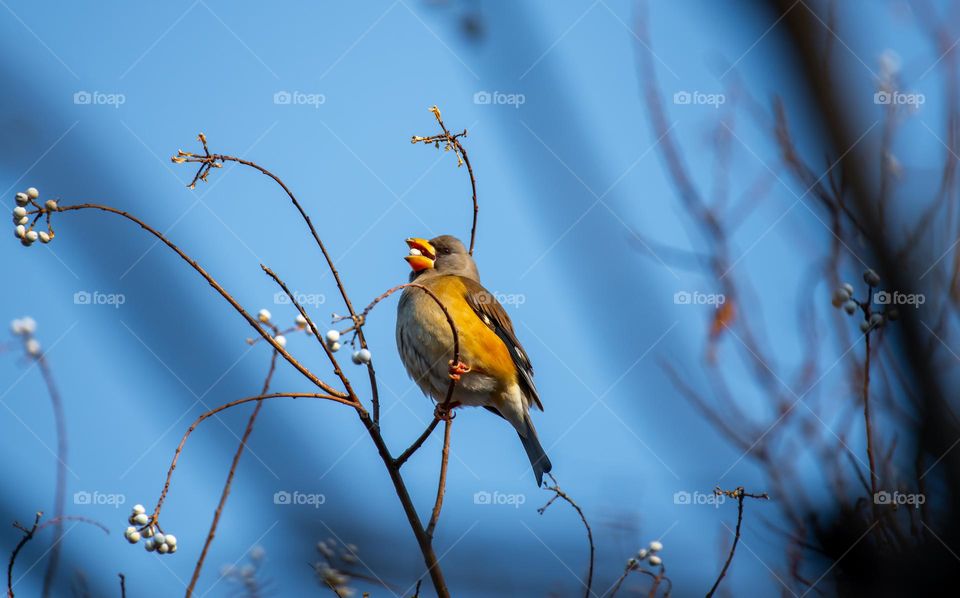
[(33, 347), (847, 287), (333, 336), (23, 221), (364, 356), (170, 540), (20, 232), (32, 236), (150, 545), (44, 236), (850, 307), (32, 193), (334, 347), (300, 321), (163, 549), (141, 519), (656, 546), (29, 325), (134, 537), (19, 211), (280, 340), (51, 204), (138, 509), (871, 278), (264, 315), (22, 199), (655, 560), (840, 296)]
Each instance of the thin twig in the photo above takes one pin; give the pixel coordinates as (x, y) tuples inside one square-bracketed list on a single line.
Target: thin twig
[(27, 536), (214, 411), (213, 283), (208, 161), (59, 499), (399, 461), (739, 494), (233, 469), (442, 482), (452, 141), (558, 493), (123, 585)]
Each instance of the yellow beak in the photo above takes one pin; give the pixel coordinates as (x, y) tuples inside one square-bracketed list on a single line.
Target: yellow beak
[(422, 254)]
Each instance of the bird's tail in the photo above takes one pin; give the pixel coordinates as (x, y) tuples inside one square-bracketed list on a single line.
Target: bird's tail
[(538, 458)]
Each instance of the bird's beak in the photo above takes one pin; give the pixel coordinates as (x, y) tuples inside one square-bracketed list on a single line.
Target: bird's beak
[(422, 254)]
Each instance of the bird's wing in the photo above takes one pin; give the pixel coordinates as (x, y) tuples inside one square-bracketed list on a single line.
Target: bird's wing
[(489, 310)]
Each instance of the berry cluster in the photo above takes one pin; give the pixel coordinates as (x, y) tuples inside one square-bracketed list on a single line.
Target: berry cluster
[(25, 327), (844, 299), (647, 554), (246, 574), (141, 526), (332, 340), (299, 323), (23, 227), (332, 568)]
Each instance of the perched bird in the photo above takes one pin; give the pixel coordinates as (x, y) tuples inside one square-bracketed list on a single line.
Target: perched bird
[(494, 371)]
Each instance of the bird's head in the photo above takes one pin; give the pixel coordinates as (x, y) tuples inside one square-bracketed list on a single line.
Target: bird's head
[(445, 254)]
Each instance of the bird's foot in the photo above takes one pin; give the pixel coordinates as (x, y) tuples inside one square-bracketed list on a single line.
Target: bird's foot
[(458, 369), (444, 411)]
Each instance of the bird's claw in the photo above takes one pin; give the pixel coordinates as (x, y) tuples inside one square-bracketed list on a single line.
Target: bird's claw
[(458, 369), (444, 411)]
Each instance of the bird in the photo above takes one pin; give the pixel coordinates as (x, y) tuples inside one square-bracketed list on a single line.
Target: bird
[(494, 371)]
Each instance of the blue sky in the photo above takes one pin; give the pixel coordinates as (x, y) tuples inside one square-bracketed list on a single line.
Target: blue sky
[(565, 181)]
